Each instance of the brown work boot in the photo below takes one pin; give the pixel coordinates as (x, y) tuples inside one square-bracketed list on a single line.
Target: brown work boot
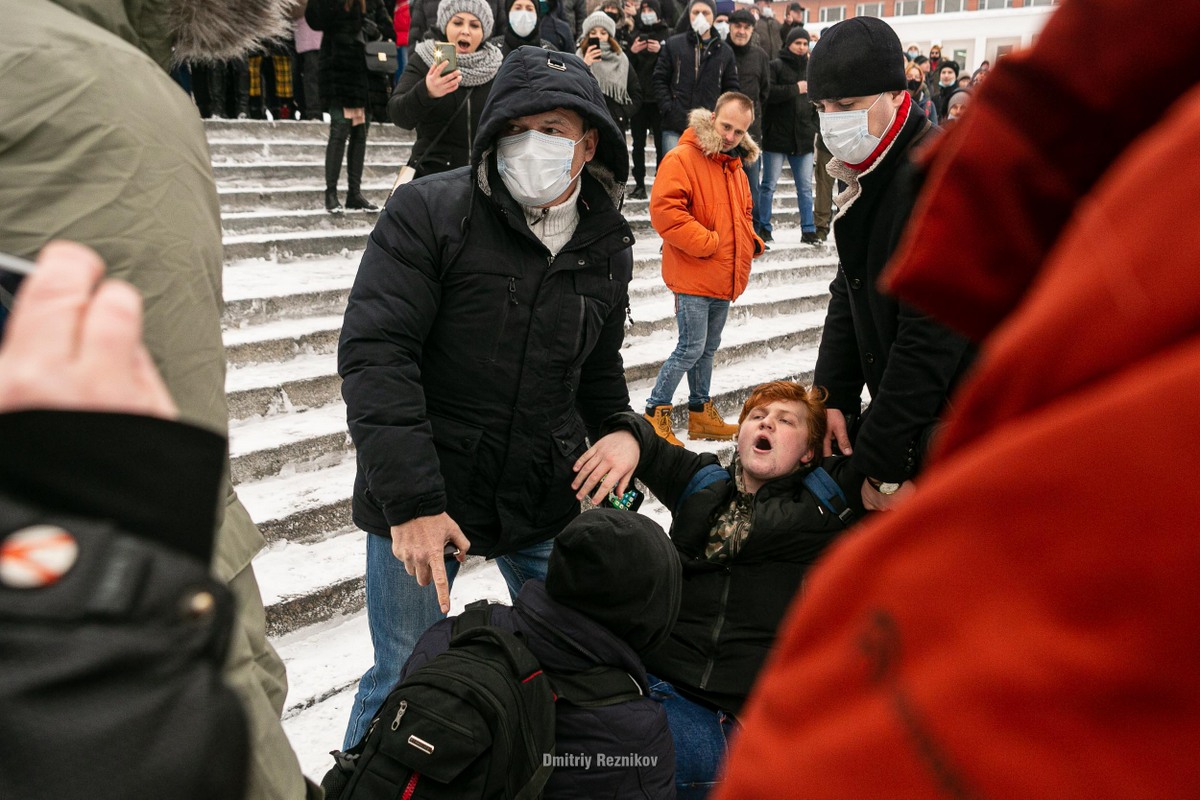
[(661, 420), (708, 424)]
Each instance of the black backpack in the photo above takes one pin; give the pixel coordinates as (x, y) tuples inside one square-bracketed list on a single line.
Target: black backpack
[(477, 721)]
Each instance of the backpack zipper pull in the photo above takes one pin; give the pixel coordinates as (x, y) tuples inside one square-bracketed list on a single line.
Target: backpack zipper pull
[(512, 291), (399, 714)]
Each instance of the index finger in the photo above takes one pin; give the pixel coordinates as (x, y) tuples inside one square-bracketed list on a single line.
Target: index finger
[(51, 303), (438, 565)]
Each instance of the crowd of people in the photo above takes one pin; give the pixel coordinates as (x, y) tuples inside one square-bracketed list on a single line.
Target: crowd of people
[(636, 49), (977, 619)]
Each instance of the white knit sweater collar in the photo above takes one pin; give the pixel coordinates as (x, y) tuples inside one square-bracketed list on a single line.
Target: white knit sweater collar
[(554, 226)]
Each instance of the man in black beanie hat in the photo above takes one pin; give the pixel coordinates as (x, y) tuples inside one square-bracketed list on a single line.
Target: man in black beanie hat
[(907, 361), (611, 593)]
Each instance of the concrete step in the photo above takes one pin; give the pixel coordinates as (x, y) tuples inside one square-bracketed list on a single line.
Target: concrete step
[(253, 175), (249, 130), (226, 152), (309, 196), (313, 216)]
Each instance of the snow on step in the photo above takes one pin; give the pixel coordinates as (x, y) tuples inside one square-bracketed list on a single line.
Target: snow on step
[(255, 279), (258, 376), (280, 496), (267, 433), (291, 328)]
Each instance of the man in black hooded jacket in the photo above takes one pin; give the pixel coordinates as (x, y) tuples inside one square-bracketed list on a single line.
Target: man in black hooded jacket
[(482, 341)]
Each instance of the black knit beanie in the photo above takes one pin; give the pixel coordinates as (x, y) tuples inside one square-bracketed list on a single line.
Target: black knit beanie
[(621, 570), (856, 58), (797, 33)]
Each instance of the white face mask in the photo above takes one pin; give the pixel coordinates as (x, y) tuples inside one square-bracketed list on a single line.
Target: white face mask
[(700, 24), (768, 12), (522, 22), (535, 166), (722, 29), (649, 18), (847, 136)]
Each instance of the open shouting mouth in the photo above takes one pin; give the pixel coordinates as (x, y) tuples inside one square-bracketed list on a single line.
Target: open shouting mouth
[(463, 44), (762, 445)]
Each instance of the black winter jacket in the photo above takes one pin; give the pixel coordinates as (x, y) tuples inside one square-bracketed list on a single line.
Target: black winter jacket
[(411, 106), (754, 75), (692, 74), (643, 63), (730, 611), (565, 641), (909, 363), (473, 362), (792, 122), (343, 78)]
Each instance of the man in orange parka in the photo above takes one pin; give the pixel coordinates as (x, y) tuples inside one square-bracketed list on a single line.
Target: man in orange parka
[(1026, 625), (701, 207)]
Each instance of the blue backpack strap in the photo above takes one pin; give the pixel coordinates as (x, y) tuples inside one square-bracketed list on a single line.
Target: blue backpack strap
[(826, 490), (703, 477)]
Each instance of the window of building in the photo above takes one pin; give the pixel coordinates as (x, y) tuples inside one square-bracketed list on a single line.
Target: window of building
[(907, 7), (869, 9), (833, 13), (985, 5), (1041, 2), (944, 6)]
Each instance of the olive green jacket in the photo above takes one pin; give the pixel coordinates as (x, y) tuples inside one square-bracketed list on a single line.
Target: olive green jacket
[(100, 146)]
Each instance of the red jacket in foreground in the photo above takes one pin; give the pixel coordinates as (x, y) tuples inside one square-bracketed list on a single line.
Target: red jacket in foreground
[(1026, 625)]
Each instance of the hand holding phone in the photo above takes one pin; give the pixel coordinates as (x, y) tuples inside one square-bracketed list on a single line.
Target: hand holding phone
[(628, 501)]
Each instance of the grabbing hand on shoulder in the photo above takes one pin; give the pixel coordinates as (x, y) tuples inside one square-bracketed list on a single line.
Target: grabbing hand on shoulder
[(74, 342), (421, 543), (607, 466)]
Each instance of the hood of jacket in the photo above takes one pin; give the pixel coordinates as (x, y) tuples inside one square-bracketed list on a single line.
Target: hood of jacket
[(701, 121), (187, 30), (621, 570), (533, 80)]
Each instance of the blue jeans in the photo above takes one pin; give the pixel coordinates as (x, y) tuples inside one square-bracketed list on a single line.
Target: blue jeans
[(399, 611), (700, 321), (754, 176), (701, 736), (669, 140), (802, 172)]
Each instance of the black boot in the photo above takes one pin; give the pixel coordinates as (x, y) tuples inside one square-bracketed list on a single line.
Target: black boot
[(338, 131), (354, 170), (638, 193)]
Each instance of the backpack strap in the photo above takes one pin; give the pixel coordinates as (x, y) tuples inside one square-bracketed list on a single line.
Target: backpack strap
[(703, 477), (596, 687), (475, 615), (830, 495)]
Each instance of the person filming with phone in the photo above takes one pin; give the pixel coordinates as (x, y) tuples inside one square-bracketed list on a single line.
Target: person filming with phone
[(746, 535), (445, 86), (600, 50)]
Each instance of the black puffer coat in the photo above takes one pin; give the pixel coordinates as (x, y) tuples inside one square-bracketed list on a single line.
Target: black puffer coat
[(692, 74), (792, 122), (411, 106), (644, 62), (473, 363), (730, 611), (754, 75), (909, 362), (343, 77)]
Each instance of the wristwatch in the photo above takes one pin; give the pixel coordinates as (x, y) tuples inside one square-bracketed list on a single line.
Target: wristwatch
[(883, 488)]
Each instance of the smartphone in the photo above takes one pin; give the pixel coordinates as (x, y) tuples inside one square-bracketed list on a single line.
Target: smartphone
[(450, 551), (593, 41), (447, 53), (628, 501)]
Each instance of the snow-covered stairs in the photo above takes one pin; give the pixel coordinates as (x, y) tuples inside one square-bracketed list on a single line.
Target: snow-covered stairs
[(289, 269)]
